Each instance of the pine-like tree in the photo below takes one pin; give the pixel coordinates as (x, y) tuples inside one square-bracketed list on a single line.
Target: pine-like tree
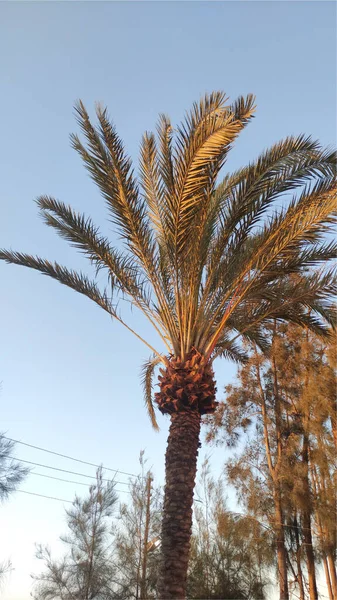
[(138, 539), (87, 570), (12, 473), (288, 395), (230, 556)]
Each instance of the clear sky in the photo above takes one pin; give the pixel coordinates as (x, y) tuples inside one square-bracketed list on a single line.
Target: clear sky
[(70, 377)]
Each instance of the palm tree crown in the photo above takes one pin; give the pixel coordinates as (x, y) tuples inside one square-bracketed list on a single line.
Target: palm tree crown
[(207, 264)]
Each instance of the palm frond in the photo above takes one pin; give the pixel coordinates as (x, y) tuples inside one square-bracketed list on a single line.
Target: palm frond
[(230, 351), (203, 142), (306, 220), (147, 374), (245, 196), (80, 231), (151, 182), (76, 281), (166, 167), (111, 170)]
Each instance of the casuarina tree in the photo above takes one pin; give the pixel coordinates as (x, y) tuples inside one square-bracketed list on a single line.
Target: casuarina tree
[(87, 570), (205, 263)]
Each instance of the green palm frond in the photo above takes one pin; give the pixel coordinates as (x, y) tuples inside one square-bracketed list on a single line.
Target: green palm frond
[(306, 220), (111, 170), (304, 299), (147, 374), (230, 351), (245, 196), (166, 166), (80, 231), (76, 281)]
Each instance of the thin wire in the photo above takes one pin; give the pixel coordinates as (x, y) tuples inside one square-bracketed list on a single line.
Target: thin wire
[(43, 496), (29, 462), (68, 457), (51, 497), (70, 481)]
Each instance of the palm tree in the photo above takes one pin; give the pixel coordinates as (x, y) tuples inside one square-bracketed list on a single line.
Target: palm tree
[(206, 265)]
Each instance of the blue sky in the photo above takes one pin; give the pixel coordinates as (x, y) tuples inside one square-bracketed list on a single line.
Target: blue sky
[(70, 377)]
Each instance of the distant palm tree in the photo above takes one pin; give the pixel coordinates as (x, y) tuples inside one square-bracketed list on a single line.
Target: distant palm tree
[(206, 265)]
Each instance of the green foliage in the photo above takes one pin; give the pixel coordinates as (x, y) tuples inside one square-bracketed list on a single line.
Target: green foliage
[(12, 473), (283, 406), (86, 571), (130, 543), (230, 555)]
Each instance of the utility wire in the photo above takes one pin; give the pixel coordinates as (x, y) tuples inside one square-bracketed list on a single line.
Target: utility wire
[(43, 496), (53, 497), (29, 462), (68, 457), (71, 481)]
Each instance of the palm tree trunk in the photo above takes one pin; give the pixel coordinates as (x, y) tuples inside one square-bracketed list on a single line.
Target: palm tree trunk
[(181, 467)]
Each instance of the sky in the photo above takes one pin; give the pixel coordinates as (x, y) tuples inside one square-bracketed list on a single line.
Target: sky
[(70, 376)]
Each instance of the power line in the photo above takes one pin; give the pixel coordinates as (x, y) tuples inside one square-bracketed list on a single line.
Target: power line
[(68, 457), (53, 497), (70, 481), (29, 462), (43, 496)]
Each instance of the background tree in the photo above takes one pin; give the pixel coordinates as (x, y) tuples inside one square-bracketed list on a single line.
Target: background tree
[(204, 264), (287, 396), (12, 473), (86, 571), (230, 555), (137, 539)]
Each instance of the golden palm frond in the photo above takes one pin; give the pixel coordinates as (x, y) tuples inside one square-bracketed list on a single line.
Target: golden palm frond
[(203, 142)]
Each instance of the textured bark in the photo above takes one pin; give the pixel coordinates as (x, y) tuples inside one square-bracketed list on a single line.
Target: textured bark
[(332, 569), (306, 521), (187, 385), (280, 547), (309, 555), (298, 561), (279, 529), (143, 586), (181, 466), (327, 577)]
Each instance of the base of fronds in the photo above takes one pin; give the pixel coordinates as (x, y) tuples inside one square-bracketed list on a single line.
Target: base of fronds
[(187, 385)]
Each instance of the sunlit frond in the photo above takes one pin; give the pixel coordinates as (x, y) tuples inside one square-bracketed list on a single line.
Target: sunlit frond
[(203, 142), (245, 196), (80, 231), (111, 170)]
